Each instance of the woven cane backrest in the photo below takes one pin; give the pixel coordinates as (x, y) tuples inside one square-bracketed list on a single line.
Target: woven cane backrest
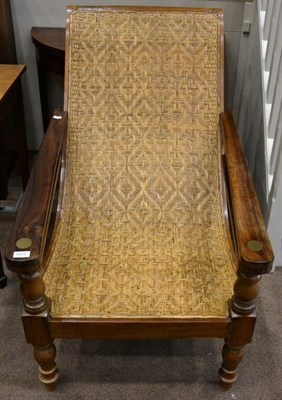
[(142, 196)]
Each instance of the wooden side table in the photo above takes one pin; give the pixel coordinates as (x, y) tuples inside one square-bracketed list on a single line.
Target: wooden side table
[(11, 104), (50, 54)]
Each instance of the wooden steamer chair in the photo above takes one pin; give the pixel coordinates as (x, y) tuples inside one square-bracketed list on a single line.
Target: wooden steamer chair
[(158, 232)]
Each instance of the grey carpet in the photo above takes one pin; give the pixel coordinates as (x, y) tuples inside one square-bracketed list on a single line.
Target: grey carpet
[(138, 370)]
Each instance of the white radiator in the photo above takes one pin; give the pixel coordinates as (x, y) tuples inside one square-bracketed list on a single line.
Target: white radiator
[(270, 18), (257, 107)]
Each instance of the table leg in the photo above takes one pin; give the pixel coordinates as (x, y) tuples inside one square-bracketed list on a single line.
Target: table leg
[(3, 278), (42, 79), (21, 144), (3, 162)]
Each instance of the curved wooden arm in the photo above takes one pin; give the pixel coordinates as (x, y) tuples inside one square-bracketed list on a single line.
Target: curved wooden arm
[(33, 216), (255, 252)]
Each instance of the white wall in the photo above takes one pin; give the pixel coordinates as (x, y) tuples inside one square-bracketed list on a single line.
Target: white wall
[(248, 104), (270, 23), (29, 13)]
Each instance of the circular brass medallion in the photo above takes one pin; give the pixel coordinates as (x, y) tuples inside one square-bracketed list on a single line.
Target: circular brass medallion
[(23, 243), (255, 245)]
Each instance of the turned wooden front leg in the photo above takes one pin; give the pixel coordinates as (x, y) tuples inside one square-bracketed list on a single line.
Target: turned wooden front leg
[(232, 356), (242, 326), (246, 289), (35, 322), (33, 292), (37, 333), (48, 373)]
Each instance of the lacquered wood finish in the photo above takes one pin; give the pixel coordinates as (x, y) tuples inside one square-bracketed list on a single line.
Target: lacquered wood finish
[(32, 222), (160, 328), (51, 39), (248, 219), (247, 226), (50, 54), (33, 216), (9, 74)]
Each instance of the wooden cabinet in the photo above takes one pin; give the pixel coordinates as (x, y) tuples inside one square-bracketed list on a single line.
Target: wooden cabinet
[(7, 40), (12, 134)]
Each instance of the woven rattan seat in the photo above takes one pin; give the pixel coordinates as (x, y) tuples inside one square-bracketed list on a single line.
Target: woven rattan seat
[(157, 232), (142, 231)]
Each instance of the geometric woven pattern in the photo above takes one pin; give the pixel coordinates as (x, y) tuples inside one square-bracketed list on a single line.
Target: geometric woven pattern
[(142, 231)]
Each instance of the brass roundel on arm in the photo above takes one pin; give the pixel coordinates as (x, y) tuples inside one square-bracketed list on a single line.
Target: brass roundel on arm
[(255, 245), (23, 243)]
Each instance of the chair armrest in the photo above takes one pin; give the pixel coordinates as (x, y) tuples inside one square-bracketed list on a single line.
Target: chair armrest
[(33, 216), (254, 248)]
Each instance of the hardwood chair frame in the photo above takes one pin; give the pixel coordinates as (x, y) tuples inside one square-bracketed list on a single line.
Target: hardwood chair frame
[(251, 244)]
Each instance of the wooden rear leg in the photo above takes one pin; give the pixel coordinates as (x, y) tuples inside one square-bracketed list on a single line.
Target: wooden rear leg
[(48, 373)]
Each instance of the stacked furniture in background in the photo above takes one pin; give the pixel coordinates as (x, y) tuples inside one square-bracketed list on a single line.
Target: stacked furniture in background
[(13, 145)]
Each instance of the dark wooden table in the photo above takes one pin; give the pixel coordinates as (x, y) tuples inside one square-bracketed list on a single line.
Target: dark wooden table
[(50, 54), (11, 107)]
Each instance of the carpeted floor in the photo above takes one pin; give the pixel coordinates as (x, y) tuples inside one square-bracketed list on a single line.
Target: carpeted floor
[(164, 370)]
